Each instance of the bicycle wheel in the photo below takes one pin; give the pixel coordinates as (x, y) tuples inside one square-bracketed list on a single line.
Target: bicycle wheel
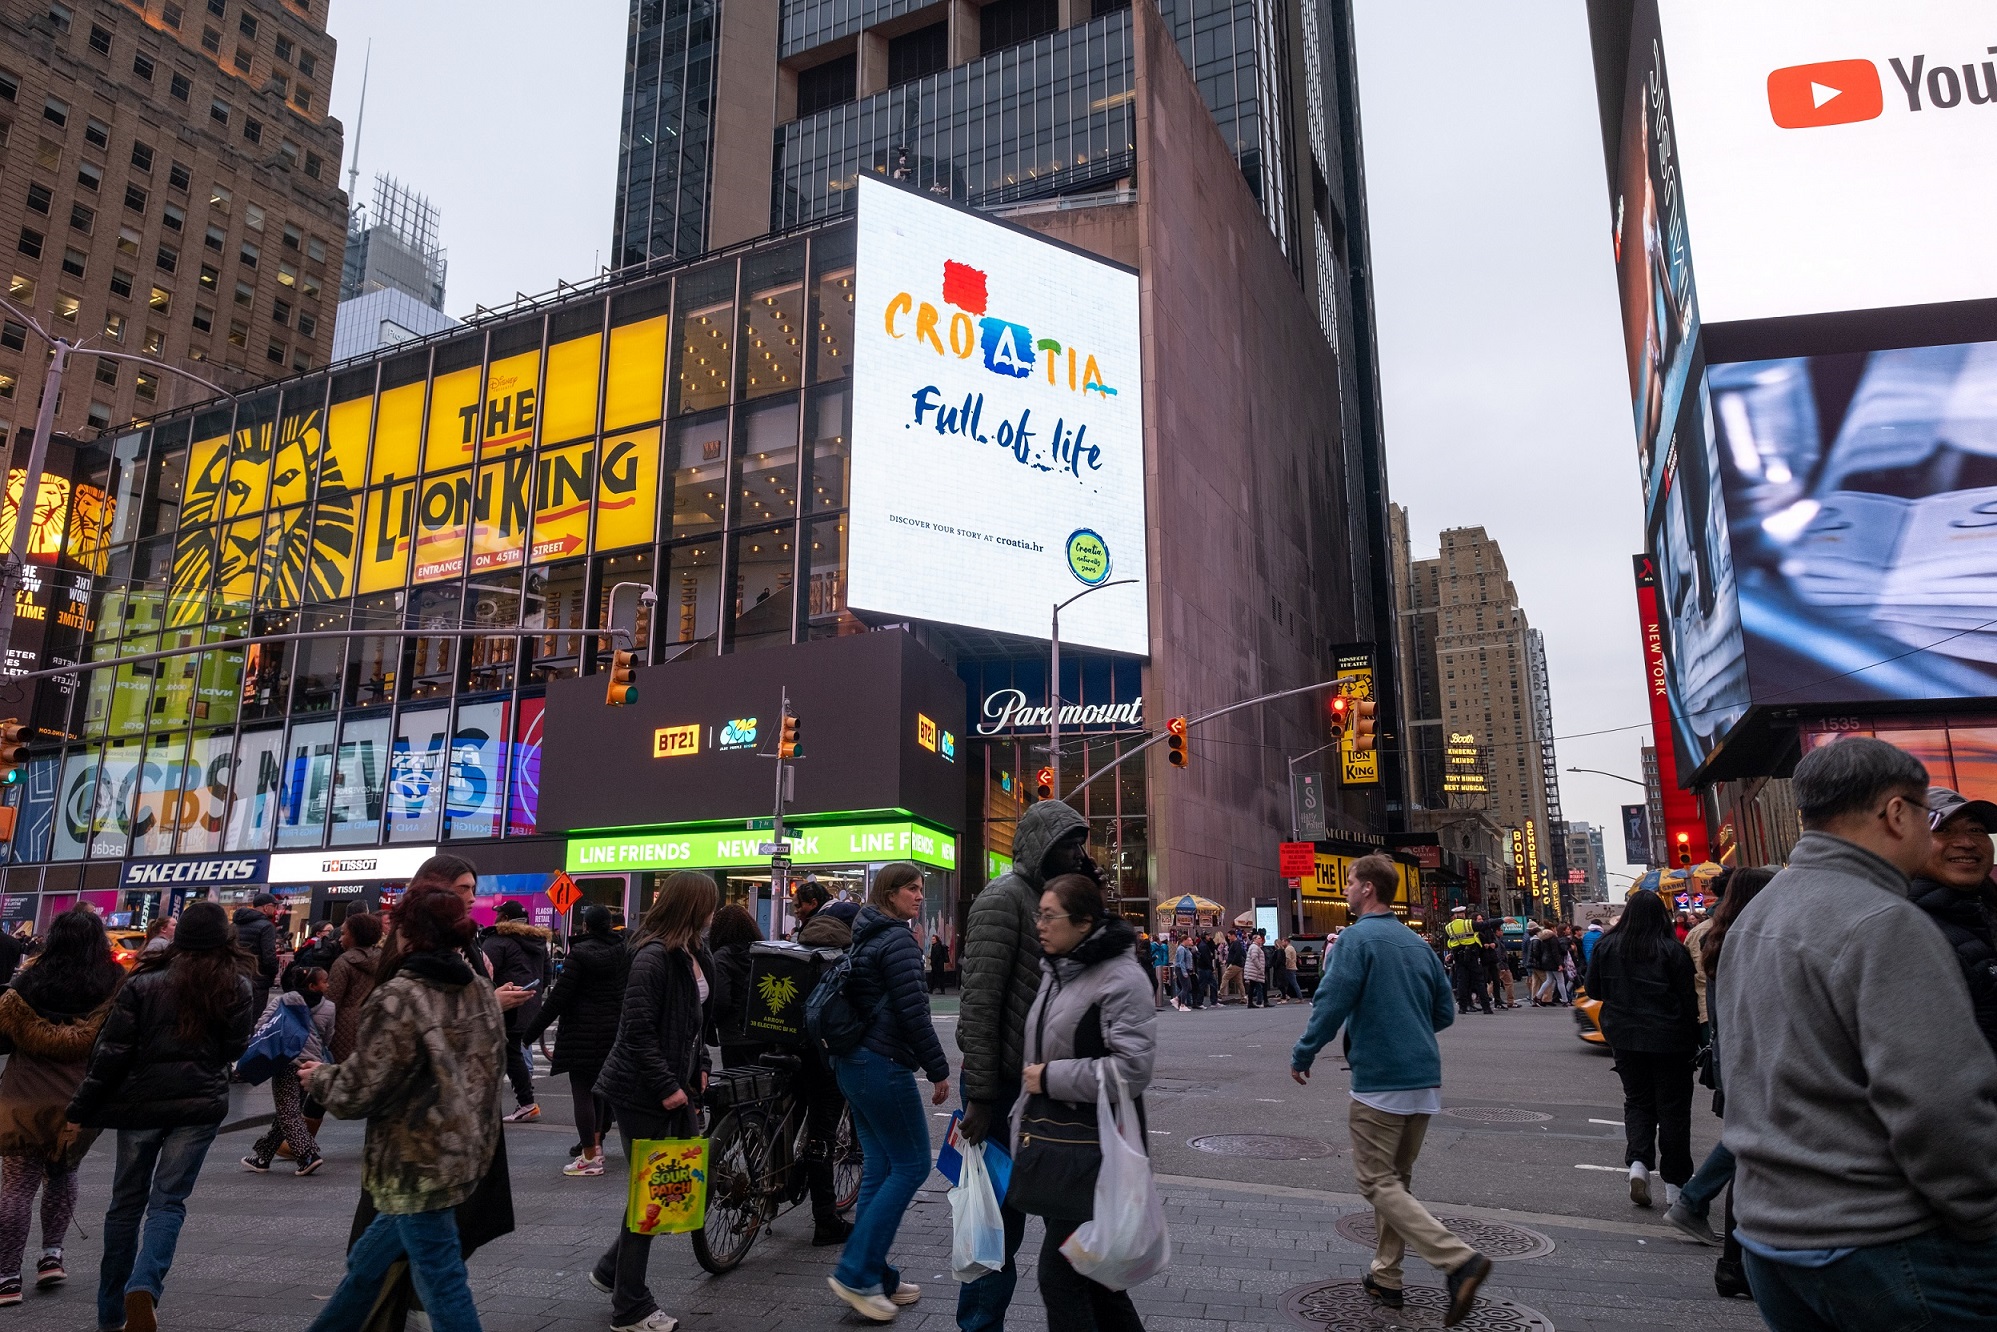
[(735, 1156), (846, 1162)]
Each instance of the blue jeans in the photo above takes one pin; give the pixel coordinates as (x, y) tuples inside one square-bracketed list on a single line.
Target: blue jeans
[(1930, 1282), (156, 1172), (429, 1240), (1705, 1185), (894, 1137)]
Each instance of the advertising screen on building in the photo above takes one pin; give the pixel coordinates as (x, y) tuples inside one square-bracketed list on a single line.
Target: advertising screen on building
[(1834, 154), (998, 440)]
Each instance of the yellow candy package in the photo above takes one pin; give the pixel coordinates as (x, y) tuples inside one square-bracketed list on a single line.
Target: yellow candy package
[(668, 1186)]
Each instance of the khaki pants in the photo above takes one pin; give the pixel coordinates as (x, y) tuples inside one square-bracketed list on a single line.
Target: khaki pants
[(1505, 979), (1230, 983), (1384, 1148)]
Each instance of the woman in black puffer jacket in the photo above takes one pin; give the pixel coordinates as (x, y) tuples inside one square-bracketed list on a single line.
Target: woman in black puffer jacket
[(657, 1069), (878, 1079), (587, 999)]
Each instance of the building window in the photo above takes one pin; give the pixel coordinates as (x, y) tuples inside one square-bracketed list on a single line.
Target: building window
[(167, 260), (314, 165), (142, 157), (315, 250), (170, 15), (142, 66), (161, 300), (114, 327), (211, 41), (181, 87), (13, 336), (286, 274), (248, 255), (215, 239), (307, 62), (55, 112), (284, 49), (301, 361), (66, 306), (219, 198), (179, 177), (73, 262), (82, 219), (90, 176), (146, 386), (914, 55), (280, 311), (175, 218), (100, 40), (274, 353), (60, 16), (292, 237), (253, 130), (242, 59), (246, 24), (218, 111), (40, 198), (307, 326), (288, 150), (833, 83), (135, 198), (99, 415), (96, 133), (218, 8), (7, 383), (308, 286), (128, 241), (107, 371), (10, 86), (1010, 22), (246, 295), (204, 319), (253, 216), (210, 277), (239, 333), (301, 97), (22, 287), (48, 155), (155, 342), (30, 243)]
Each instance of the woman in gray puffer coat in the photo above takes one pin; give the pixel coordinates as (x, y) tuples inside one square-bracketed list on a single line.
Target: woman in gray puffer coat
[(1094, 1005)]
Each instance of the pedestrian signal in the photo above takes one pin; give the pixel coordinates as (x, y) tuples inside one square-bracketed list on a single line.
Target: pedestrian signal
[(13, 750), (623, 687), (1043, 782), (1341, 712), (1362, 724), (787, 737), (1175, 742)]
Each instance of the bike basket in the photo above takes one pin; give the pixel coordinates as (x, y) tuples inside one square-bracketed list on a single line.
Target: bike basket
[(781, 977), (740, 1086)]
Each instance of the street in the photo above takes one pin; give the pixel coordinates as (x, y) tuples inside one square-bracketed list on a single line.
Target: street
[(1250, 1233)]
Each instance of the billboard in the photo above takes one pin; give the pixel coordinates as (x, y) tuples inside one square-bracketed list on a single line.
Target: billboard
[(1826, 151), (998, 437)]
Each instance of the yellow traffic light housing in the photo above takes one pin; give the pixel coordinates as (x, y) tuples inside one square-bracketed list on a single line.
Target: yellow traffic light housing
[(1684, 849), (787, 737), (1175, 742), (1341, 714), (623, 687), (1362, 711), (13, 750)]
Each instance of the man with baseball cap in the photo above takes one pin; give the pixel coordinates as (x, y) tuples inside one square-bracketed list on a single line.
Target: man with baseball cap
[(1954, 888)]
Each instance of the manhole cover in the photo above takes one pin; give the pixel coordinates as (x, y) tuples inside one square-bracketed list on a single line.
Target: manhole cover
[(1493, 1239), (1344, 1306), (1497, 1114), (1263, 1146)]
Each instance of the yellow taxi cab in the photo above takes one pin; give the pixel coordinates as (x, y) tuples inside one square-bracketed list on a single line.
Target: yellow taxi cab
[(126, 945), (1588, 1018)]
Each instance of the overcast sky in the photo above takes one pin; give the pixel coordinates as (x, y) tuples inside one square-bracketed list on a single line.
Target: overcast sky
[(1507, 403)]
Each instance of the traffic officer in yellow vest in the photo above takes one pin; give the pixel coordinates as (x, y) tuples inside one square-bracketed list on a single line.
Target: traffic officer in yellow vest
[(1466, 960)]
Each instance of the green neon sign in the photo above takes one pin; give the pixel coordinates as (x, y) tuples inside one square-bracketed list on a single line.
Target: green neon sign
[(822, 844)]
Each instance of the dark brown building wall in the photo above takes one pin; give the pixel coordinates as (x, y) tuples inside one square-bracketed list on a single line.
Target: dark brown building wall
[(144, 151), (1250, 558), (745, 115)]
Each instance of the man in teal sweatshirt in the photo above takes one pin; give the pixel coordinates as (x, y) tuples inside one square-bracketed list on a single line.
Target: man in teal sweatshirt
[(1387, 989)]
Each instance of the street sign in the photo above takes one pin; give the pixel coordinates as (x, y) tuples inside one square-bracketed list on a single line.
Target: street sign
[(562, 891), (773, 848), (1307, 805), (1296, 860), (762, 825)]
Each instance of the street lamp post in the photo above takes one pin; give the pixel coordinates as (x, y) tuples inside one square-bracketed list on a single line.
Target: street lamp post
[(1618, 776), (13, 570), (1054, 682)]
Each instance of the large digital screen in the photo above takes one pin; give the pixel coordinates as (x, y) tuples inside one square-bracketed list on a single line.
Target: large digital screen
[(998, 436), (1834, 155)]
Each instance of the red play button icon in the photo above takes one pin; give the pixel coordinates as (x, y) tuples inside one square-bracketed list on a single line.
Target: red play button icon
[(1831, 92)]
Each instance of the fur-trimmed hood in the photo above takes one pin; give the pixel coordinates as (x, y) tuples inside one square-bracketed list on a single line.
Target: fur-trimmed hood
[(63, 1038), (520, 929)]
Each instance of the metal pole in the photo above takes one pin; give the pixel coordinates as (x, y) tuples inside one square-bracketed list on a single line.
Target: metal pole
[(13, 573), (779, 861), (1054, 681)]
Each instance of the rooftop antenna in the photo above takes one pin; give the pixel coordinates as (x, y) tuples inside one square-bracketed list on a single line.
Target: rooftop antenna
[(360, 121)]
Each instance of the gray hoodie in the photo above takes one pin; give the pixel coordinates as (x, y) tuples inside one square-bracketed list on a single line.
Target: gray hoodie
[(1861, 1098)]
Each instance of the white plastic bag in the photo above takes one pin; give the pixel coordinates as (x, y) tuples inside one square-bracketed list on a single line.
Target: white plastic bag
[(977, 1231), (1126, 1244)]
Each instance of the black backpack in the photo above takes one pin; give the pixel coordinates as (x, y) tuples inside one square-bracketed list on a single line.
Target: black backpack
[(830, 1019)]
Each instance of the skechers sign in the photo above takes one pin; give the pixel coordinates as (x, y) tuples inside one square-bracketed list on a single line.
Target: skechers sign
[(218, 870), (998, 438), (710, 849)]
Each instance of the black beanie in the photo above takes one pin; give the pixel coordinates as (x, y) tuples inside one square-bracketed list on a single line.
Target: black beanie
[(203, 926)]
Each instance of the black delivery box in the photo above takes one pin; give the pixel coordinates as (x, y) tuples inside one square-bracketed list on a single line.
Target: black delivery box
[(781, 977)]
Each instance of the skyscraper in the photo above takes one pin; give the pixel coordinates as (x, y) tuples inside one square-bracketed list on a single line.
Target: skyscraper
[(173, 192), (392, 283)]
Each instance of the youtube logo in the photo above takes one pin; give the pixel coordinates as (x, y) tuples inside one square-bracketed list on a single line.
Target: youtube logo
[(1830, 92)]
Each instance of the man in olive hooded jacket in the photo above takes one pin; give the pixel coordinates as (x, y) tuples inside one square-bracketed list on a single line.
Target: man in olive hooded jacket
[(1000, 968)]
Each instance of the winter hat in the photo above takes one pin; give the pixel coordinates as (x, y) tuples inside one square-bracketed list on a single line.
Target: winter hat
[(203, 927), (512, 910), (842, 910)]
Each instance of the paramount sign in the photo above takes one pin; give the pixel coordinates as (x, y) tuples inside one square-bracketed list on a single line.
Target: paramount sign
[(1008, 710)]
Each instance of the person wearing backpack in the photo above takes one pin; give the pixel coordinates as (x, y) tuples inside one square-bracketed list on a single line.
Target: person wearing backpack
[(657, 1068), (304, 990), (817, 1086), (159, 1075), (883, 985)]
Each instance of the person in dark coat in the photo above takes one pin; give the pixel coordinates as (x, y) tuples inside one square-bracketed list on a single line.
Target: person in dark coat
[(1650, 1016), (878, 1079), (939, 963), (322, 952), (657, 1069), (824, 1103), (516, 953), (256, 933), (733, 931), (159, 1075), (1954, 889), (587, 1000)]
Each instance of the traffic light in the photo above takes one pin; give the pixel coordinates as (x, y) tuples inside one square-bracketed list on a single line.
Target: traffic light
[(1341, 712), (1175, 742), (1684, 849), (1043, 782), (623, 687), (13, 750), (1362, 724), (787, 736)]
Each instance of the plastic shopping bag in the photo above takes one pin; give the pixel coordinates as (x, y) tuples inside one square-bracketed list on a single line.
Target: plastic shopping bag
[(977, 1231), (668, 1193), (1126, 1243)]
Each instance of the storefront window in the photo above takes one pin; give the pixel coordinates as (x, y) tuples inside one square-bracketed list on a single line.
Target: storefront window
[(690, 601), (205, 791), (634, 566), (360, 781), (321, 661), (705, 319), (491, 601), (118, 778), (765, 468), (416, 774), (773, 331), (697, 463), (555, 599), (374, 663), (765, 596), (433, 666), (168, 787), (832, 306), (523, 777), (35, 824), (254, 788), (472, 803), (827, 421), (165, 477), (308, 785), (825, 595)]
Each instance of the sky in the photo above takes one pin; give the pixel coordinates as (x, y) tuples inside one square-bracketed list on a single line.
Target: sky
[(1506, 398)]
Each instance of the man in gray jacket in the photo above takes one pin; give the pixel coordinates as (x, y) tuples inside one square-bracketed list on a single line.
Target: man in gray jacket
[(999, 966), (1861, 1099)]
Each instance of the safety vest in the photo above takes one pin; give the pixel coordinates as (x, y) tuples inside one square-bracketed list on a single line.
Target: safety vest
[(1460, 933)]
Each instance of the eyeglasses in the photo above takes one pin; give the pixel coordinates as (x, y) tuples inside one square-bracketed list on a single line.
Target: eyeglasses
[(1049, 917)]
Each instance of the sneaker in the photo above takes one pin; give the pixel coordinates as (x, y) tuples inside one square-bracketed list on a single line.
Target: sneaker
[(527, 1114), (837, 1230), (139, 1312), (1690, 1224), (1463, 1283), (1730, 1280), (656, 1321), (584, 1165), (905, 1293), (1671, 1192), (1388, 1297), (875, 1308), (310, 1164), (10, 1290), (258, 1164), (48, 1272), (1639, 1183)]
